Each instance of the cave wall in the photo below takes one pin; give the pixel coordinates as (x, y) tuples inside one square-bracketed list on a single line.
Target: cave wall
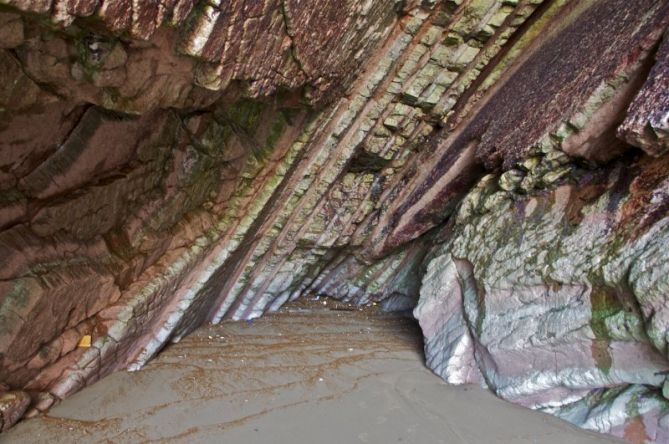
[(168, 164), (140, 144), (555, 298)]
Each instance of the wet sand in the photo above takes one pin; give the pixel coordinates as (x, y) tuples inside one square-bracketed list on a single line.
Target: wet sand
[(298, 376)]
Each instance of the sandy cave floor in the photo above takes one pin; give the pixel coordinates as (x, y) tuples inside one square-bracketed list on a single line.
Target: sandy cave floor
[(307, 374)]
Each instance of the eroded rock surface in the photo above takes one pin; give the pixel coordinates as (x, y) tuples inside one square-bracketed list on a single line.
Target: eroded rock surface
[(12, 406), (166, 164), (554, 298)]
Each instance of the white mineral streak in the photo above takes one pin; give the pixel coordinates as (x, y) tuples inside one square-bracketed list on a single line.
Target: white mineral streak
[(203, 29)]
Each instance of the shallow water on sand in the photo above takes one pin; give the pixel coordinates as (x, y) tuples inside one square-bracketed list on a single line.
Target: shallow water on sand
[(298, 376)]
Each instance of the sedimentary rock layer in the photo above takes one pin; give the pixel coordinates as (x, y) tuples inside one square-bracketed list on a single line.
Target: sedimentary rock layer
[(168, 164), (555, 298)]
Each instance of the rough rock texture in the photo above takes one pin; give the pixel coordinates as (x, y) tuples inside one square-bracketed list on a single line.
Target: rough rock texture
[(647, 123), (137, 55), (165, 164), (12, 406), (555, 299)]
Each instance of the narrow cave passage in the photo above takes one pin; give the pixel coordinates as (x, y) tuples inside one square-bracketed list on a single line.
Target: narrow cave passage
[(308, 373)]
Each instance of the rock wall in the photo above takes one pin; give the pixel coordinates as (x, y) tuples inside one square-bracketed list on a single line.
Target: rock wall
[(555, 299), (168, 164), (141, 144)]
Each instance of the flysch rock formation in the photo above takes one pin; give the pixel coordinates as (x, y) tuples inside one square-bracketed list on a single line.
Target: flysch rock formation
[(498, 166)]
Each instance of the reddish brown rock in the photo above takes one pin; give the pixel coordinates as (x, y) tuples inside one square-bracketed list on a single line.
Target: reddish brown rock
[(552, 83), (556, 80), (164, 164), (11, 30), (39, 6), (12, 406), (18, 92), (647, 122), (269, 45), (77, 161), (22, 148)]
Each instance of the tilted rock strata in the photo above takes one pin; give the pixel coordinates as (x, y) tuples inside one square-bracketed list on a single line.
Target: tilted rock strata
[(546, 91), (647, 124), (555, 299), (116, 227), (139, 55), (168, 164), (378, 133)]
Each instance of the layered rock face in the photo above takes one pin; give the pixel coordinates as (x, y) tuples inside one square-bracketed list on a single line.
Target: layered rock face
[(556, 300), (165, 164)]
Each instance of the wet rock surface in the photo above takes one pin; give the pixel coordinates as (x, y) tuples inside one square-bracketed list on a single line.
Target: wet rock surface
[(163, 165)]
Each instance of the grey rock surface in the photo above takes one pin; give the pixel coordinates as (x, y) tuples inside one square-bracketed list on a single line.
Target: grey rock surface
[(556, 300)]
